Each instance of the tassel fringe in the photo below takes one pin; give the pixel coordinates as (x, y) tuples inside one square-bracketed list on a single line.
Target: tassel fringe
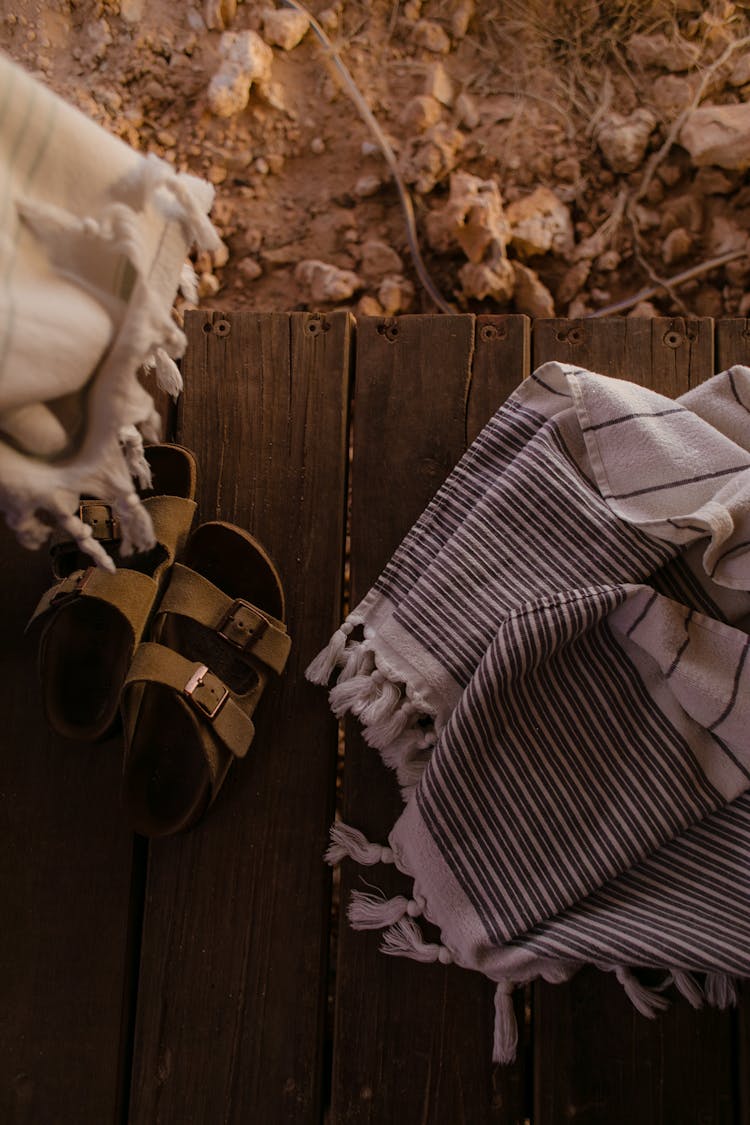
[(374, 912), (505, 1038), (643, 999), (348, 842), (687, 986), (405, 939), (721, 990)]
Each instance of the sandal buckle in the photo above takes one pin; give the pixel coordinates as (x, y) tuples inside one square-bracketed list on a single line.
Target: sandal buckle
[(100, 518), (72, 585), (242, 625), (206, 691)]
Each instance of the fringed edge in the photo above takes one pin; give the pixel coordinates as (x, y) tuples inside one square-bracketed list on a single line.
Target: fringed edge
[(687, 986), (721, 990), (347, 842), (376, 912), (645, 1000), (505, 1032), (395, 720)]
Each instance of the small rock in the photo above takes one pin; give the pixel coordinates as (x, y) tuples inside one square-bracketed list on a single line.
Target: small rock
[(670, 173), (466, 111), (428, 159), (250, 269), (623, 140), (132, 10), (740, 75), (473, 218), (530, 295), (217, 174), (431, 36), (217, 13), (379, 259), (412, 10), (608, 261), (682, 211), (284, 28), (676, 246), (573, 281), (723, 235), (369, 306), (671, 94), (395, 295), (317, 146), (370, 148), (327, 282), (220, 256), (744, 308), (578, 308), (208, 285), (461, 18), (421, 113), (718, 134), (367, 186), (275, 162), (246, 60), (568, 170), (481, 281), (329, 20), (655, 191), (262, 167), (540, 223), (659, 51), (644, 309), (712, 181), (438, 84)]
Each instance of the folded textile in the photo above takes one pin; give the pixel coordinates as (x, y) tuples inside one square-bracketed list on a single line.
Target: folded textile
[(93, 238), (555, 663)]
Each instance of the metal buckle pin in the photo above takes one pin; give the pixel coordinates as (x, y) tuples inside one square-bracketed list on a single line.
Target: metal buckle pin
[(204, 678)]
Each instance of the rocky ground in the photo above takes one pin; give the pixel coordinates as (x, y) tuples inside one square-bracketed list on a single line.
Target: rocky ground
[(562, 158)]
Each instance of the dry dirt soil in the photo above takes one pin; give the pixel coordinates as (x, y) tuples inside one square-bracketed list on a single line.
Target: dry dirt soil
[(561, 157)]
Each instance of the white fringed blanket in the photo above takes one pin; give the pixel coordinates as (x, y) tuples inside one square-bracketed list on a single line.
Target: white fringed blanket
[(93, 238), (555, 664)]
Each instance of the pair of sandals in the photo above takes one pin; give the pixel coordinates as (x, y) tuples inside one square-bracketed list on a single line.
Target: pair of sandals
[(180, 640)]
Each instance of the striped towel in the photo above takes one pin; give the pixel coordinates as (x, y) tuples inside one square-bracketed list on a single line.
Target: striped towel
[(93, 238), (555, 663)]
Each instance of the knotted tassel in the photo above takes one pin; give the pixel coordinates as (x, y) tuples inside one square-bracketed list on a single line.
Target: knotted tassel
[(505, 1038), (405, 939), (687, 986), (320, 670), (168, 375), (375, 912), (189, 283), (135, 524), (643, 999), (132, 449), (352, 696), (721, 990), (387, 698), (350, 842)]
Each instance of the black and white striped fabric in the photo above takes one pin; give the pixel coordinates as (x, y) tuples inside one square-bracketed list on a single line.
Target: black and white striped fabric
[(555, 662)]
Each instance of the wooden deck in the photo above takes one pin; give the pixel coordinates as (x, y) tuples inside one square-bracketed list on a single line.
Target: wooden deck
[(189, 981)]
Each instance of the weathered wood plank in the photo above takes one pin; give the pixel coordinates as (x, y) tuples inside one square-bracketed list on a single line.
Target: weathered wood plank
[(596, 1060), (413, 1042), (233, 977), (66, 865)]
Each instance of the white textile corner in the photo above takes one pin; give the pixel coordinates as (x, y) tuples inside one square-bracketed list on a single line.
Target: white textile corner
[(93, 237)]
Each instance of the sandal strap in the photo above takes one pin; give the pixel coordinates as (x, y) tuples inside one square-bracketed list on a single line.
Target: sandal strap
[(171, 516), (128, 591), (209, 696), (254, 633)]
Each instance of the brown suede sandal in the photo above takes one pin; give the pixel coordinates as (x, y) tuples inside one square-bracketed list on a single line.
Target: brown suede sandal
[(190, 694), (91, 621)]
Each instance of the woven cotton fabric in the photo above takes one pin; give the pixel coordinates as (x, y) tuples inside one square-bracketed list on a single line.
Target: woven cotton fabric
[(555, 662), (93, 238)]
